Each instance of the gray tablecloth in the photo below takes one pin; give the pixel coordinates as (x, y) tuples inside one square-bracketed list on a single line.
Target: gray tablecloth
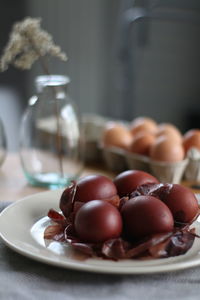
[(24, 279)]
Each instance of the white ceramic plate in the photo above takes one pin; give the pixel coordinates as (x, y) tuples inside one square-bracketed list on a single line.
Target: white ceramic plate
[(22, 225)]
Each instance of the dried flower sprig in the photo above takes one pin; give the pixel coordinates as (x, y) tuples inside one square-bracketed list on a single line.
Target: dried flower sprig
[(27, 43)]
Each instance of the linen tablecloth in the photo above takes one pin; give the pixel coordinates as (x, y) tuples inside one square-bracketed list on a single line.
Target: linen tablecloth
[(24, 279)]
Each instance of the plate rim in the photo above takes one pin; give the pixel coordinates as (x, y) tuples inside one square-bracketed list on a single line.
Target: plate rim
[(82, 266)]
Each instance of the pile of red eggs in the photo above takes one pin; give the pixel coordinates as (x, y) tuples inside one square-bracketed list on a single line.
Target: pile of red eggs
[(133, 206)]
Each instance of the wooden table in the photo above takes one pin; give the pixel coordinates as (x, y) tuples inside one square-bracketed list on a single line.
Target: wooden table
[(13, 184)]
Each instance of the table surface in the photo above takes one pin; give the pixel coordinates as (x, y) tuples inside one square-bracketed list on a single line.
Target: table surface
[(13, 184)]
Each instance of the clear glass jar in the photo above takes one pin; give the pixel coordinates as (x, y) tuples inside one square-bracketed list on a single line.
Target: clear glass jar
[(51, 142), (3, 144)]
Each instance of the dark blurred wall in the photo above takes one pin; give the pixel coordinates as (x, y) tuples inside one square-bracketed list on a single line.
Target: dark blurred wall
[(161, 61), (10, 12), (13, 82)]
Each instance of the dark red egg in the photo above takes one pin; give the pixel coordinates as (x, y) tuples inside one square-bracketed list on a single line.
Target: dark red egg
[(66, 200), (91, 187), (182, 203), (97, 221), (94, 187), (126, 182), (146, 215)]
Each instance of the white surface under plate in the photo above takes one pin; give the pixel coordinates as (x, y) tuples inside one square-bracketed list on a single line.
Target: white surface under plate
[(22, 225)]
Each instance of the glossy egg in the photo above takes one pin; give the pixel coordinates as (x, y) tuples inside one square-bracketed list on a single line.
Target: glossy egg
[(191, 139), (167, 150), (127, 181), (88, 188), (146, 215), (93, 187), (65, 203), (98, 221), (182, 203), (116, 135)]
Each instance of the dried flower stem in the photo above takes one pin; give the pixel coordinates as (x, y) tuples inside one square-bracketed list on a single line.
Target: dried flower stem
[(58, 141), (58, 129)]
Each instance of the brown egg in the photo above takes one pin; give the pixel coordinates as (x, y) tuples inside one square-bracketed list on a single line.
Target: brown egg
[(182, 203), (143, 124), (116, 135), (191, 139), (167, 129), (127, 181), (167, 150), (97, 221), (141, 143), (146, 215), (88, 188)]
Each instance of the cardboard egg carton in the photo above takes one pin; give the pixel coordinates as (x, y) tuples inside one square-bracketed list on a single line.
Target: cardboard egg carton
[(119, 160), (192, 172), (93, 127)]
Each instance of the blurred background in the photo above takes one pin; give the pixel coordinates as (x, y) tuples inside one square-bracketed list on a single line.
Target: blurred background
[(126, 58)]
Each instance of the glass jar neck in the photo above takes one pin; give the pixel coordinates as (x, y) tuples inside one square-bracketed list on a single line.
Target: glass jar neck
[(56, 83), (52, 86)]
